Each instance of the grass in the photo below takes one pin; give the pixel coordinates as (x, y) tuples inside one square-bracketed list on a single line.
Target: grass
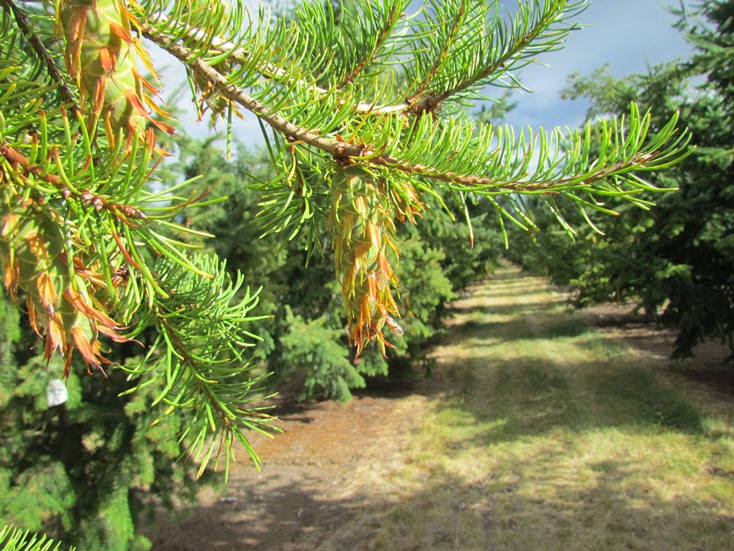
[(551, 436)]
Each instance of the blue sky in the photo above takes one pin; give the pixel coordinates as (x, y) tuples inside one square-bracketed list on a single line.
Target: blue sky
[(628, 35)]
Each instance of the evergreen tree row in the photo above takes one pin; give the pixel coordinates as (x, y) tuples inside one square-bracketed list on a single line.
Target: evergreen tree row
[(675, 260), (376, 166)]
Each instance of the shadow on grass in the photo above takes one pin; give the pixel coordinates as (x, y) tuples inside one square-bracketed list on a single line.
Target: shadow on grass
[(529, 399), (521, 397), (525, 366), (529, 324), (530, 380), (606, 508), (551, 512)]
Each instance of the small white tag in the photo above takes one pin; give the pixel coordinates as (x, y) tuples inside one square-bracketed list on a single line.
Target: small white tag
[(56, 393)]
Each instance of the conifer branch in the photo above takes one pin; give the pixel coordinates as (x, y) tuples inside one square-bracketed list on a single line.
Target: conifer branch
[(383, 34), (456, 25), (239, 55), (52, 67), (476, 183), (362, 151), (16, 159), (293, 132), (200, 355), (87, 197), (514, 51)]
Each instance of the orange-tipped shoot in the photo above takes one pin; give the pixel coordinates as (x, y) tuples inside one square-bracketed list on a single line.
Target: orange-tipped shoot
[(101, 56), (361, 222), (60, 307)]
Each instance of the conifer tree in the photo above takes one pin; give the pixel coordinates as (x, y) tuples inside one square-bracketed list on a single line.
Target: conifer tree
[(676, 262), (365, 120)]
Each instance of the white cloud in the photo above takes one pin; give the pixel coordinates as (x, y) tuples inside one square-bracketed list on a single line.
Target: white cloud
[(628, 35)]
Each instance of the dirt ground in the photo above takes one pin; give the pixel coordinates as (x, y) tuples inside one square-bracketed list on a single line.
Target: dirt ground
[(331, 460), (336, 459)]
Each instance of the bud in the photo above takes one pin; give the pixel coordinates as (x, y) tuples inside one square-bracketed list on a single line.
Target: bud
[(362, 226)]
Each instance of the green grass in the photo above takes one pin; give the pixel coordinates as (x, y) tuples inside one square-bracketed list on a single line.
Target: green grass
[(552, 436)]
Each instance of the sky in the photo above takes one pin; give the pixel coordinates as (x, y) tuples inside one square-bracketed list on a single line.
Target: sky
[(628, 35)]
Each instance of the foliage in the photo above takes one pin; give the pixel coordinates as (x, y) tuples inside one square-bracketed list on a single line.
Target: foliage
[(315, 349), (364, 109), (15, 539), (368, 130), (675, 260), (305, 342), (82, 470)]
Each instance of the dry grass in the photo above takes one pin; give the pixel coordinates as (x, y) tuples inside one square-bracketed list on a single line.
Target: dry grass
[(536, 432), (553, 436)]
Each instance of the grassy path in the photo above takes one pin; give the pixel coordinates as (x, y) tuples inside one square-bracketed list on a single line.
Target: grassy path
[(535, 432), (551, 436)]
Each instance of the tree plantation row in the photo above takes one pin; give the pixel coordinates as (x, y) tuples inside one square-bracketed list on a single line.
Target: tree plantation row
[(189, 286), (675, 261)]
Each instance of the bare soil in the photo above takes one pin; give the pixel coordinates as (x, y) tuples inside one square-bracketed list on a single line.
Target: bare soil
[(331, 460), (335, 461)]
